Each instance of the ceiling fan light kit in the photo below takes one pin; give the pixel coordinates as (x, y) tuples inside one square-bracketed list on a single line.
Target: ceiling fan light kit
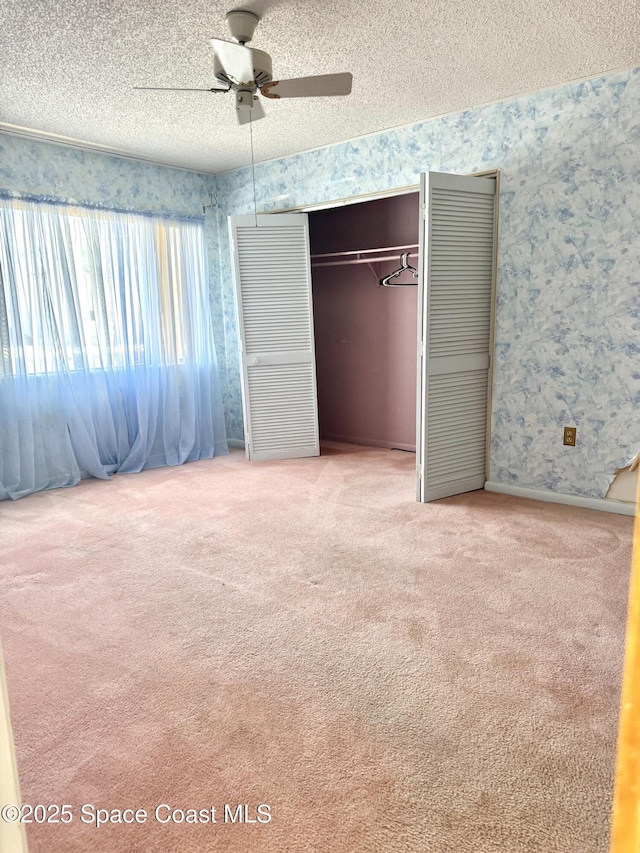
[(245, 71)]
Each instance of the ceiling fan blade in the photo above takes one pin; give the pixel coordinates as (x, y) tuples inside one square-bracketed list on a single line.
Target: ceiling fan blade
[(309, 87), (253, 113), (236, 59), (171, 89)]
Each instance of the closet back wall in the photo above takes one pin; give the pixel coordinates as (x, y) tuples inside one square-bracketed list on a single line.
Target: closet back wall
[(365, 334)]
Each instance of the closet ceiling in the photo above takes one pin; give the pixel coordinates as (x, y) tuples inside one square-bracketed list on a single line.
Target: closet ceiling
[(68, 68)]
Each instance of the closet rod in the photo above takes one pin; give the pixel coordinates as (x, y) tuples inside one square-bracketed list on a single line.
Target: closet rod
[(364, 252), (360, 261)]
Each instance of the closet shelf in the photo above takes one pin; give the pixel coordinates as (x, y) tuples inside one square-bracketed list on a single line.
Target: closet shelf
[(359, 256)]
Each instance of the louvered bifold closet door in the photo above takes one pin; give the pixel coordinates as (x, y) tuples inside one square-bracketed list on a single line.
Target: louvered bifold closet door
[(272, 271), (457, 308)]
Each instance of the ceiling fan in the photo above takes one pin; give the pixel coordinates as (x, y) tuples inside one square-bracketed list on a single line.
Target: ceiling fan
[(245, 71)]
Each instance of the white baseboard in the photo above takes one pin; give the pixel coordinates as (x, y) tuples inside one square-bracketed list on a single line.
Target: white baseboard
[(570, 500), (235, 442)]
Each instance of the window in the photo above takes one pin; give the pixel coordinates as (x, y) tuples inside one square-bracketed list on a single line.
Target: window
[(85, 289)]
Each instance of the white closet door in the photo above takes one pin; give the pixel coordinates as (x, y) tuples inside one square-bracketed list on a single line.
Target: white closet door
[(456, 309), (272, 272)]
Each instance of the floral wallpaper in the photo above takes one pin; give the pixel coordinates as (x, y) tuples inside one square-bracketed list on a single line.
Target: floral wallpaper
[(567, 347)]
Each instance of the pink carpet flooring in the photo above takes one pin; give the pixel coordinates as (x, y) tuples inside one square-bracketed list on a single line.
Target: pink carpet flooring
[(384, 675)]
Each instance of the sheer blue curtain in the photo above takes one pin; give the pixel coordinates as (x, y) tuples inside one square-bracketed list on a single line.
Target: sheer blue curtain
[(107, 361)]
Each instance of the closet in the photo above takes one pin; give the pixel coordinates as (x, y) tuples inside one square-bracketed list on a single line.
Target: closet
[(374, 344), (366, 333)]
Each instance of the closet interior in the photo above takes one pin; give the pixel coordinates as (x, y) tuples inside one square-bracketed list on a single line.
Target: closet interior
[(365, 320)]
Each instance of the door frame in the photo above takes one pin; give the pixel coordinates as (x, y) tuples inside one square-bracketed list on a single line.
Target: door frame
[(12, 835), (407, 190)]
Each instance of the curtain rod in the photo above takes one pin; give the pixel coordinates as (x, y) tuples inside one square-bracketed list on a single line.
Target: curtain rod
[(12, 195)]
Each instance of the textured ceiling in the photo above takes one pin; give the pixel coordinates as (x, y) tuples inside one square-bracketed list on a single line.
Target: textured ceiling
[(69, 67)]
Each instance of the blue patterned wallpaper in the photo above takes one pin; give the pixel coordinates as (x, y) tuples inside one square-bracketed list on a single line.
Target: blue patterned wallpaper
[(44, 168), (568, 319)]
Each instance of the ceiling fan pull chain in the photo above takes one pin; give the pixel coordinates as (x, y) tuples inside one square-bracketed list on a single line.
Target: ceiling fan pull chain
[(253, 171)]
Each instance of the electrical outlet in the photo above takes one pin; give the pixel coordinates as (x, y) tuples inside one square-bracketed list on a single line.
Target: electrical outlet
[(570, 436)]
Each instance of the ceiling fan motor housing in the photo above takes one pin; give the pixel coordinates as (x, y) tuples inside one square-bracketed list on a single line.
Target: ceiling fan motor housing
[(261, 68)]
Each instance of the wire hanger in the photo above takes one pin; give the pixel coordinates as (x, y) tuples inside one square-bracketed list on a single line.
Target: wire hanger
[(406, 267)]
